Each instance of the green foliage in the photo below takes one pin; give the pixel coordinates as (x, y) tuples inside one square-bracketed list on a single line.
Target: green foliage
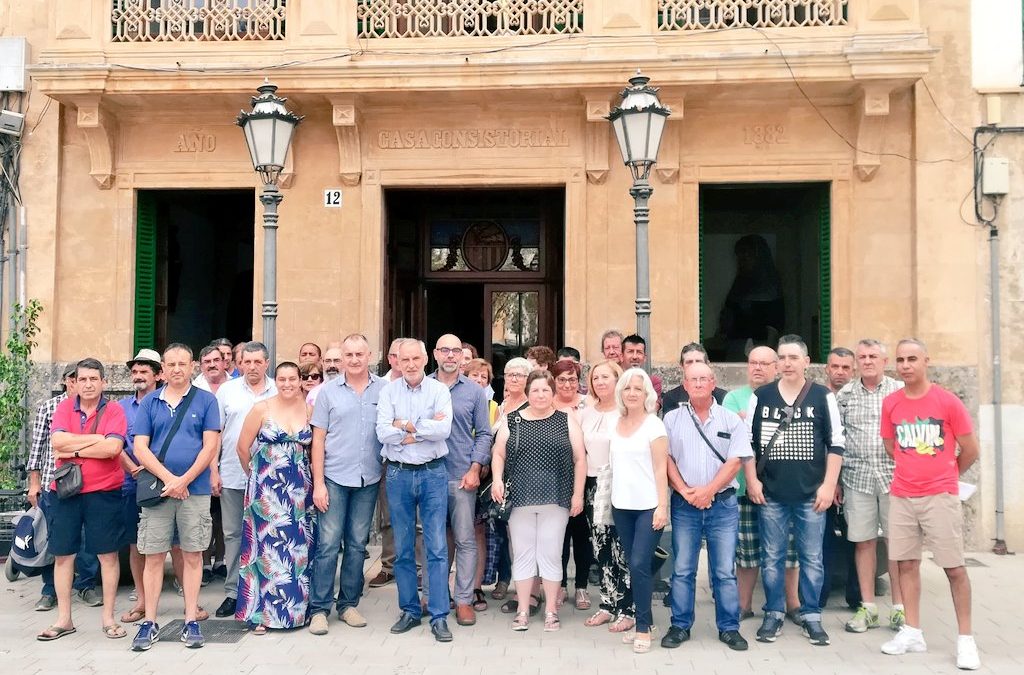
[(15, 371)]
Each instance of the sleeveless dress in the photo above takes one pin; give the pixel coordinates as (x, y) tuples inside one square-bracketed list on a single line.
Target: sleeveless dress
[(277, 530), (539, 454)]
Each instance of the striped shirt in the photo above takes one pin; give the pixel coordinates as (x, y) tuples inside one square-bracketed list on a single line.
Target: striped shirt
[(866, 466), (40, 457), (697, 464)]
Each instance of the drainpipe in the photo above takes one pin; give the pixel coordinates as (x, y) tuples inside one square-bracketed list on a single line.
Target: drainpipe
[(22, 264), (12, 262), (997, 390)]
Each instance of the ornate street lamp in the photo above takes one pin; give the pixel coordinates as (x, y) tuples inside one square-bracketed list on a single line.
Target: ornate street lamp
[(268, 129), (638, 123)]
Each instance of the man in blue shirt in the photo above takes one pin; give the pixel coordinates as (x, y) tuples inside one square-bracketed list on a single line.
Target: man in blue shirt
[(144, 371), (469, 449), (185, 472), (414, 419), (346, 468)]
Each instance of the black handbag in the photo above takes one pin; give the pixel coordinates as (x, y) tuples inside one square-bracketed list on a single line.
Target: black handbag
[(68, 478), (148, 487), (499, 511)]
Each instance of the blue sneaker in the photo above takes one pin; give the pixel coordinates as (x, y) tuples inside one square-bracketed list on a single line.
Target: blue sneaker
[(191, 635), (148, 633)]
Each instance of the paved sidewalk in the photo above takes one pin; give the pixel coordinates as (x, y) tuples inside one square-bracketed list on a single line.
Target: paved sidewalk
[(490, 647)]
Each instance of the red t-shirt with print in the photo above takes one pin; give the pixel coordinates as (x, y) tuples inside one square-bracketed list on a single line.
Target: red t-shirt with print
[(924, 432), (98, 475)]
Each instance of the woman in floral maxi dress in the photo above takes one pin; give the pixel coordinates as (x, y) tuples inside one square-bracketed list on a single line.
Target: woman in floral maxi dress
[(278, 512)]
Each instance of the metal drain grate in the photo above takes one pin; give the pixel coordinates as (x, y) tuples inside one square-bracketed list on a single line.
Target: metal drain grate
[(214, 631)]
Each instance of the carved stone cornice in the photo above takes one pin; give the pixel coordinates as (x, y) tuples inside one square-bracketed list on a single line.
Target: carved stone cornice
[(99, 129), (872, 112), (346, 127)]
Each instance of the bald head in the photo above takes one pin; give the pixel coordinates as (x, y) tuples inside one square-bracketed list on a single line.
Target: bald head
[(448, 354), (761, 366), (699, 383)]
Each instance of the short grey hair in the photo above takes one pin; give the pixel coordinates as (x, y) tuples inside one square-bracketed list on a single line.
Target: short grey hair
[(912, 341), (518, 363), (254, 346), (402, 342), (871, 342), (792, 339), (611, 333), (650, 402)]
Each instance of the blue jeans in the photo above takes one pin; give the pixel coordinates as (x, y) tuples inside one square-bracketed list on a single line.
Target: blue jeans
[(808, 531), (87, 565), (427, 490), (348, 519), (719, 525), (639, 539)]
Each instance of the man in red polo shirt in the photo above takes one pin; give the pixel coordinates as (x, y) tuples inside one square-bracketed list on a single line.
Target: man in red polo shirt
[(88, 431)]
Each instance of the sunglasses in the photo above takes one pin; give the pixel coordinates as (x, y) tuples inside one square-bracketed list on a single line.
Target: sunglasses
[(313, 376)]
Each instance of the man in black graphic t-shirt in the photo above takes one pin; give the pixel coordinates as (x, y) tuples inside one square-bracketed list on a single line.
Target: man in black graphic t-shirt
[(798, 452)]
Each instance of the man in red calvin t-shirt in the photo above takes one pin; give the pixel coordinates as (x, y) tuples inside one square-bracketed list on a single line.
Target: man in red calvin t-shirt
[(89, 431), (922, 424)]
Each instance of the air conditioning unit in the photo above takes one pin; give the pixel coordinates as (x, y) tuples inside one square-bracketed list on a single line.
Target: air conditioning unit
[(13, 59)]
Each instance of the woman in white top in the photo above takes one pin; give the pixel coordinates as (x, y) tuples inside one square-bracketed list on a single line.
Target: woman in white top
[(639, 458), (598, 420)]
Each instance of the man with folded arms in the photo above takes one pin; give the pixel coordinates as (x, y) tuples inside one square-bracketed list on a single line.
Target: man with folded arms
[(708, 445)]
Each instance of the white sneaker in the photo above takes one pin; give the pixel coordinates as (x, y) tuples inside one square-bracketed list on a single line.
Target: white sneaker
[(967, 653), (907, 640)]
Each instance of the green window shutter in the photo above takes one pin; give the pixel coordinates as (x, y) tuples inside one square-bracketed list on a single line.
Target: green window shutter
[(145, 273), (700, 266), (825, 271)]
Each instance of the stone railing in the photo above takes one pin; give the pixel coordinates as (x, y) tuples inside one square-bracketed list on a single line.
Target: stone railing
[(467, 18), (197, 20), (722, 14)]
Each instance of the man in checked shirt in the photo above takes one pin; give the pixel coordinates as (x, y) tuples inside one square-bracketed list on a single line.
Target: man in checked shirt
[(865, 478), (40, 478)]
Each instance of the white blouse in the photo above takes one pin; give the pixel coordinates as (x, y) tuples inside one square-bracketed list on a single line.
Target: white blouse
[(596, 427), (633, 484)]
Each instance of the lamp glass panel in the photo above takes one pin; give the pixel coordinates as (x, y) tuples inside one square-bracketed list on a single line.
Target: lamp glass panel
[(636, 132), (618, 124), (250, 142), (657, 130), (262, 131), (282, 140)]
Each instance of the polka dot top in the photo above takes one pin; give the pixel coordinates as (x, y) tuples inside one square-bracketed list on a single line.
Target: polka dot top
[(538, 460)]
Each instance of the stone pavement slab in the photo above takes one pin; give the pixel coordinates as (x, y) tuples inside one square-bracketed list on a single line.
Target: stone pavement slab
[(490, 644)]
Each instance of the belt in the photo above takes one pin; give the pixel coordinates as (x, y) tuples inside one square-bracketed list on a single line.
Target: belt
[(417, 467), (724, 494)]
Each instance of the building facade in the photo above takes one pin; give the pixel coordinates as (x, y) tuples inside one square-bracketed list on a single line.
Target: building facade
[(455, 171)]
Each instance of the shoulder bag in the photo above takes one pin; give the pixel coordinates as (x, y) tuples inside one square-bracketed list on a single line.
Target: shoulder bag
[(493, 509), (148, 487), (68, 478), (789, 410)]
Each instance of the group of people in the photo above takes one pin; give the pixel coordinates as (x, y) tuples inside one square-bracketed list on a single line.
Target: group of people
[(290, 469)]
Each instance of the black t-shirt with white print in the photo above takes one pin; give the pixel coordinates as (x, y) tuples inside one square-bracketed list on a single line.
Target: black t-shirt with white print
[(796, 464)]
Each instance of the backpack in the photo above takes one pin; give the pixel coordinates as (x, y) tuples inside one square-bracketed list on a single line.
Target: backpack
[(29, 549)]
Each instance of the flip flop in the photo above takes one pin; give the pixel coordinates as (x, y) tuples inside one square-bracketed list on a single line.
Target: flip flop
[(55, 633), (259, 630), (133, 616), (114, 631)]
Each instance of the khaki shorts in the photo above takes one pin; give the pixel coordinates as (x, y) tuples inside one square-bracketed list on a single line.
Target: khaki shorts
[(190, 517), (865, 514), (934, 522)]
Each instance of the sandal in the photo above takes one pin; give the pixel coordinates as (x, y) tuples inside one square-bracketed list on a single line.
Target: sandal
[(598, 618), (563, 593), (629, 636), (133, 616), (479, 600), (500, 590), (55, 633), (521, 622), (642, 645), (114, 631), (582, 599), (259, 630), (512, 606), (622, 624), (201, 614), (551, 622)]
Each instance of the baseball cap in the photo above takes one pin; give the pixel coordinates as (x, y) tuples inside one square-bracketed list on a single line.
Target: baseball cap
[(145, 356), (69, 370)]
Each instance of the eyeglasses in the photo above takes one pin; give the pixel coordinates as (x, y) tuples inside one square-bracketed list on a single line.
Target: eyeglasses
[(449, 350), (761, 364), (313, 376), (699, 380), (566, 380), (515, 376)]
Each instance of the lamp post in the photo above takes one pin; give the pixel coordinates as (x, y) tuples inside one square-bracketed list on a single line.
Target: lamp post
[(638, 123), (268, 129)]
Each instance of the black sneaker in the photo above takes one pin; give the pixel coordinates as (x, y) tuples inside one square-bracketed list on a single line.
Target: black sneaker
[(815, 633), (675, 637), (770, 629), (733, 640), (227, 608), (221, 571), (207, 577)]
